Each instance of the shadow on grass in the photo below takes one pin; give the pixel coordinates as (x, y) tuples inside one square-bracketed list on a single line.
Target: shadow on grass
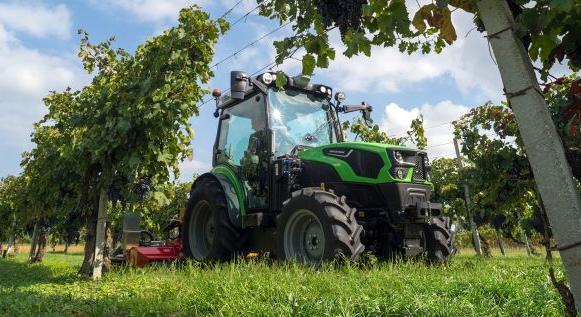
[(19, 274), (68, 253), (34, 303)]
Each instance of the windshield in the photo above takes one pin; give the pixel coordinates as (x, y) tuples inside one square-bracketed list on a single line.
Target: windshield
[(298, 118)]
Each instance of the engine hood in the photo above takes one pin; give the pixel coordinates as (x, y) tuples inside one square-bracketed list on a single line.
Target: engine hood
[(364, 162)]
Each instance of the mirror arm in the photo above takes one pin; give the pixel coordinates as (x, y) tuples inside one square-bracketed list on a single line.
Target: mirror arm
[(365, 109), (362, 107)]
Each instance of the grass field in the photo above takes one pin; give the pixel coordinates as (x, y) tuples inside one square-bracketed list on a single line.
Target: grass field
[(515, 285)]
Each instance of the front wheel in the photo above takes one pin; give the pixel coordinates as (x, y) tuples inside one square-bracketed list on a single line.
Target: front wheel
[(440, 240), (208, 234), (316, 225)]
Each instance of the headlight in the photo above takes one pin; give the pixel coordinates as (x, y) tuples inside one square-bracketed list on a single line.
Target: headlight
[(323, 89), (398, 156), (340, 97), (267, 78), (400, 173)]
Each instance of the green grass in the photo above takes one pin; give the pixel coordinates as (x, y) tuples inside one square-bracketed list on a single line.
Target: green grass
[(515, 285)]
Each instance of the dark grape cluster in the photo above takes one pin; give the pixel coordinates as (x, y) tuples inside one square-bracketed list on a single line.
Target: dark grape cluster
[(345, 14), (115, 195), (142, 187), (116, 191)]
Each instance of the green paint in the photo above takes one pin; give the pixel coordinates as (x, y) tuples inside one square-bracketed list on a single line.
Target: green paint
[(346, 172), (228, 172)]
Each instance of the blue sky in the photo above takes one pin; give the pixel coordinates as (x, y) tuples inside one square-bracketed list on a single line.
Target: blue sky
[(38, 46)]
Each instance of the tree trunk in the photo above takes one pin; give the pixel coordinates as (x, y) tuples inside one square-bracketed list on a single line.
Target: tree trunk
[(1, 247), (16, 246), (87, 266), (10, 246), (107, 248), (500, 242), (542, 143), (66, 250), (485, 247), (33, 242), (100, 233), (475, 237), (12, 241), (527, 245), (41, 245)]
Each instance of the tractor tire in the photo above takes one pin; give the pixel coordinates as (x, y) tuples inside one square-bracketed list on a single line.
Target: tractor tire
[(208, 234), (316, 225), (440, 241)]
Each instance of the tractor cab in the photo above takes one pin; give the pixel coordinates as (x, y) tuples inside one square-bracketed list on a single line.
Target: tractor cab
[(260, 123), (286, 182)]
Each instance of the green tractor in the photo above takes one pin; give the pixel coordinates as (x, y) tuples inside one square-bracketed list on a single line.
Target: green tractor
[(285, 182)]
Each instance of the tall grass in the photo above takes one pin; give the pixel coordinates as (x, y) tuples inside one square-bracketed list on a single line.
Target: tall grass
[(515, 285)]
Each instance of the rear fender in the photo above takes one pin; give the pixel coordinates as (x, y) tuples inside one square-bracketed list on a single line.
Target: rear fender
[(234, 197)]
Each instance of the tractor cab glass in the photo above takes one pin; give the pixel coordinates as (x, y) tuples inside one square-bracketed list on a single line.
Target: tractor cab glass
[(298, 118), (241, 129), (243, 145)]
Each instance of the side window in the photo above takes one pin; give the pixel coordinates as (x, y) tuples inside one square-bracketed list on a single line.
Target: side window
[(238, 125)]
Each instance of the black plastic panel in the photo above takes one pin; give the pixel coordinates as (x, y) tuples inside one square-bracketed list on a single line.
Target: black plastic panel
[(314, 173), (364, 163)]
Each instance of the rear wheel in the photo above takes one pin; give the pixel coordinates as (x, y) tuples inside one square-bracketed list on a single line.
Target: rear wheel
[(316, 225), (208, 233), (439, 240)]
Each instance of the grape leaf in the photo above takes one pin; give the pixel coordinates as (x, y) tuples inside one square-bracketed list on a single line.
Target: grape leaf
[(281, 79), (466, 5), (562, 5), (308, 64)]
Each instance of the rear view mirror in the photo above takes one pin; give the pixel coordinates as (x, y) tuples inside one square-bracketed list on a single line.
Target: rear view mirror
[(366, 113)]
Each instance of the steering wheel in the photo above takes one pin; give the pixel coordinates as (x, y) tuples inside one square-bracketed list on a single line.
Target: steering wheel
[(309, 138), (284, 141)]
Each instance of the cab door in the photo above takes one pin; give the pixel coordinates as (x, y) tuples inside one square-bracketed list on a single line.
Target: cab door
[(243, 145)]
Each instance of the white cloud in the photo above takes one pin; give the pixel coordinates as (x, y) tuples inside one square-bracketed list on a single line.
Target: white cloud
[(26, 76), (36, 19), (467, 61), (437, 123), (159, 11), (189, 168)]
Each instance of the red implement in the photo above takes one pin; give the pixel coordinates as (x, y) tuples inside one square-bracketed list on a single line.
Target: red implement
[(141, 256)]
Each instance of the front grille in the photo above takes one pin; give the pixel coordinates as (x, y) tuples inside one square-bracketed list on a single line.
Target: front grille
[(419, 169)]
